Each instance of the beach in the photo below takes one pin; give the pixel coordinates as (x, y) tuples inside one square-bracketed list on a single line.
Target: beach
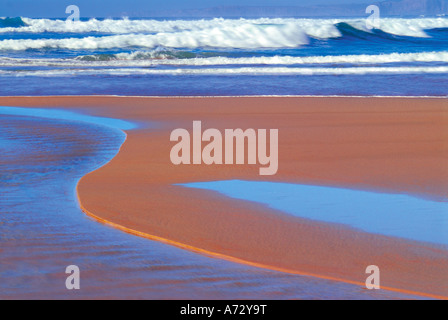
[(374, 144)]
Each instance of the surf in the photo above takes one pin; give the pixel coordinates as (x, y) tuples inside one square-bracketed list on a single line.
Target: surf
[(234, 33), (12, 23)]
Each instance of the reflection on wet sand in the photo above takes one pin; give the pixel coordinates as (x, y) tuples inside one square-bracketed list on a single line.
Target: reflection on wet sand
[(43, 231)]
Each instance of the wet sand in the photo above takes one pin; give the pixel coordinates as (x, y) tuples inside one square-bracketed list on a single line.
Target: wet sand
[(388, 144)]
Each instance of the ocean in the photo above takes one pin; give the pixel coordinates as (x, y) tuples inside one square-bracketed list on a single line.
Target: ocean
[(224, 57)]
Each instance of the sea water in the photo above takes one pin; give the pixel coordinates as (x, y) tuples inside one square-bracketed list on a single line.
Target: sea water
[(399, 215), (210, 57)]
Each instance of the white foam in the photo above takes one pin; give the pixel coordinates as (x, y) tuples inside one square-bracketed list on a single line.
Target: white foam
[(233, 71), (152, 58), (317, 27), (221, 28), (289, 60), (406, 27), (245, 36)]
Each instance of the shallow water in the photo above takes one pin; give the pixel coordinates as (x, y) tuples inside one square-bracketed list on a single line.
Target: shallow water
[(398, 215), (43, 231)]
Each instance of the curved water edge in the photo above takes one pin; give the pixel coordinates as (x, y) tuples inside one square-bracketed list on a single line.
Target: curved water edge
[(43, 231), (392, 214), (113, 264), (57, 114)]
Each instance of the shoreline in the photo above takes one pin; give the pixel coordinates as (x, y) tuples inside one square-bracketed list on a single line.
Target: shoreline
[(314, 229), (223, 97), (236, 260)]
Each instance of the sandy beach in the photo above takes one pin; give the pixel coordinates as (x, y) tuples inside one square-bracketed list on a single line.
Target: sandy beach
[(379, 144)]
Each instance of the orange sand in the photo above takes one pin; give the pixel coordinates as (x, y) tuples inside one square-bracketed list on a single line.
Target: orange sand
[(370, 143)]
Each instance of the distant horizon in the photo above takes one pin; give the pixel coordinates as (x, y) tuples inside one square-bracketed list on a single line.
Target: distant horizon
[(87, 18), (218, 8), (139, 8)]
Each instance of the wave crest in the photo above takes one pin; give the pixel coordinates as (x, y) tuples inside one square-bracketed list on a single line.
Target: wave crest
[(246, 36), (12, 23), (315, 28)]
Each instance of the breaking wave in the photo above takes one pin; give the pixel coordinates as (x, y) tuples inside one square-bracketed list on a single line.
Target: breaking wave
[(12, 23), (321, 28), (245, 36), (214, 33)]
